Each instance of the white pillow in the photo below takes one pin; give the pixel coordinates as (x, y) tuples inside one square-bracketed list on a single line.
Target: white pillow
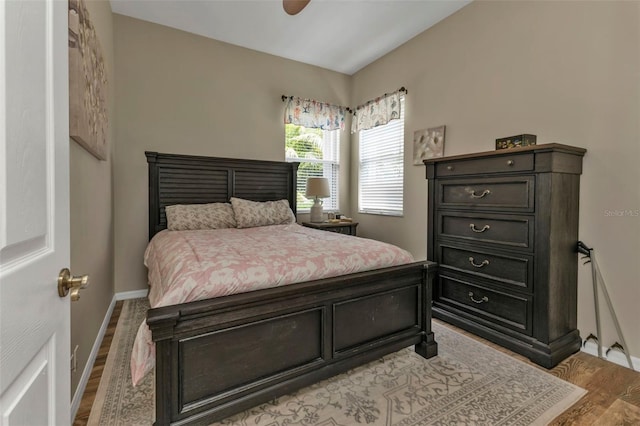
[(184, 217), (250, 214)]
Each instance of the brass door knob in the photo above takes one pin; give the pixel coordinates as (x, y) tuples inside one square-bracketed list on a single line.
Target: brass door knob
[(68, 282)]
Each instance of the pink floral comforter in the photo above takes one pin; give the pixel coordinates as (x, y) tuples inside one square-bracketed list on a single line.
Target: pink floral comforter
[(185, 266)]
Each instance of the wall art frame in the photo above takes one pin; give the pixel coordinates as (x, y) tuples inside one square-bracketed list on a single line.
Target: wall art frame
[(428, 143), (88, 85)]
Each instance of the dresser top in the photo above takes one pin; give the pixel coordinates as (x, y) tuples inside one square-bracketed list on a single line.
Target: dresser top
[(555, 147)]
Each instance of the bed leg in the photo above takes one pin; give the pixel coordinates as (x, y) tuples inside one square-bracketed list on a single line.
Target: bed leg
[(428, 347), (163, 383)]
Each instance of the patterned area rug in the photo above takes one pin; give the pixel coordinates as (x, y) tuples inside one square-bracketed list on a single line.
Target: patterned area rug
[(468, 383)]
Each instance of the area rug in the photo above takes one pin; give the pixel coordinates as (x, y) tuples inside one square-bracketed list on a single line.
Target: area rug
[(468, 383)]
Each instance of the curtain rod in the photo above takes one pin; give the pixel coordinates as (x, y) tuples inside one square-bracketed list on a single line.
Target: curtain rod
[(285, 97), (402, 89)]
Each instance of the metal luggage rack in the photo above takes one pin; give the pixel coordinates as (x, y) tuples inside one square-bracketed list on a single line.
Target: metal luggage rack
[(596, 276)]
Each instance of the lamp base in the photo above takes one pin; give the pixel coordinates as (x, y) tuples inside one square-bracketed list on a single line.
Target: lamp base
[(316, 213)]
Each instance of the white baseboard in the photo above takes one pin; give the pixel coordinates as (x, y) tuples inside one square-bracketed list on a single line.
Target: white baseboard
[(86, 373), (135, 294), (614, 356)]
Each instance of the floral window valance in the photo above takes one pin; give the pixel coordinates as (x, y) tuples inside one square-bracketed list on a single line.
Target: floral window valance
[(378, 111), (313, 114)]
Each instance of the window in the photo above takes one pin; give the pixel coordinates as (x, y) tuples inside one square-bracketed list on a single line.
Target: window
[(382, 168), (318, 153)]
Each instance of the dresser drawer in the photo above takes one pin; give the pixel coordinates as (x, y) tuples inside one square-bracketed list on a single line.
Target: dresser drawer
[(507, 310), (503, 230), (506, 193), (513, 270), (500, 164)]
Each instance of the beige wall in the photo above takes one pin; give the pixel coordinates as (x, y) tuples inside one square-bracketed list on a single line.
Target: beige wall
[(92, 216), (568, 72), (181, 93)]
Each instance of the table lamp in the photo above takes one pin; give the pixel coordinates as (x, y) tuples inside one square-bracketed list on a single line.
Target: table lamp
[(317, 187)]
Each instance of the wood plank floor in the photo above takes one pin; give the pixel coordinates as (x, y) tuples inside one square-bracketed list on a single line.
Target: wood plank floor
[(613, 397), (82, 417)]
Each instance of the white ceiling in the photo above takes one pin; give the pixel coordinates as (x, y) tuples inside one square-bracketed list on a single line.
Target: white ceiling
[(341, 35)]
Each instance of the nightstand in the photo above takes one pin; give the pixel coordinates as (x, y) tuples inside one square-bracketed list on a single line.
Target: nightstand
[(347, 228)]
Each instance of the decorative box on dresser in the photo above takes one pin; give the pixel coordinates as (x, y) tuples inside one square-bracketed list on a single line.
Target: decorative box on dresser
[(503, 226)]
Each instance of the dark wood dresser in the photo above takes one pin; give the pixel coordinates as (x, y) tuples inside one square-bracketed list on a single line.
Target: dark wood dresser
[(503, 225)]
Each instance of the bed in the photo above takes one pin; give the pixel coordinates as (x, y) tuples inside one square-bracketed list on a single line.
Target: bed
[(216, 357)]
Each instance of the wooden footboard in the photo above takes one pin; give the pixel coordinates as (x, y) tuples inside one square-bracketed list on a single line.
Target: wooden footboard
[(217, 357)]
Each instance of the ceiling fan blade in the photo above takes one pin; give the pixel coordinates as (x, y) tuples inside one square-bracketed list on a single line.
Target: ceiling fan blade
[(293, 7)]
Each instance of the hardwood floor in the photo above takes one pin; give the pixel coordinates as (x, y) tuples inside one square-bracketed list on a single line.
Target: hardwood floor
[(613, 397), (82, 417)]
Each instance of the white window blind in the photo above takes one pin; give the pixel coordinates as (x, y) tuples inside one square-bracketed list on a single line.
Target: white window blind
[(382, 168), (318, 152)]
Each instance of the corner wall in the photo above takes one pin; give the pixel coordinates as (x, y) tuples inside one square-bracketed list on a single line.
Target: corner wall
[(91, 214), (181, 93), (568, 72)]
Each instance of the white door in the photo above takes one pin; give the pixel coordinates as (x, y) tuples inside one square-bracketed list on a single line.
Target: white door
[(34, 217)]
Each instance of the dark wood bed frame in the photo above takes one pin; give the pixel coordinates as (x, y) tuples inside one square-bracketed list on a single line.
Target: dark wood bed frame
[(220, 356)]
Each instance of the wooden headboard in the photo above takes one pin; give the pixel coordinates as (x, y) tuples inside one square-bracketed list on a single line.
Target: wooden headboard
[(188, 179)]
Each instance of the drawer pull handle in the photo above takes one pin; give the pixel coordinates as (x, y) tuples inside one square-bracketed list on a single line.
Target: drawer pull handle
[(485, 192), (450, 168), (484, 299), (474, 229), (478, 265), (510, 162)]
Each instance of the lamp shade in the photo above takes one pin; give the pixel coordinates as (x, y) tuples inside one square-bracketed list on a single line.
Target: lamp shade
[(318, 187)]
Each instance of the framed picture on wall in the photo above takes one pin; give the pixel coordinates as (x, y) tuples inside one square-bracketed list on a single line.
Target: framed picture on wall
[(88, 118), (428, 143)]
